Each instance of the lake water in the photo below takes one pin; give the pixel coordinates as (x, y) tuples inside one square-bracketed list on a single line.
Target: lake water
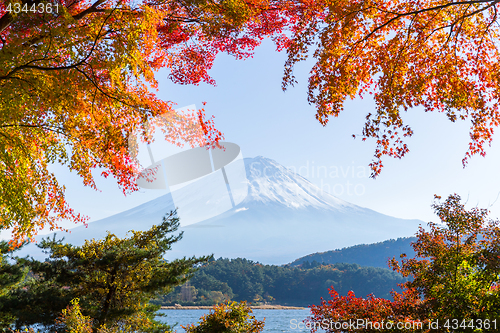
[(276, 320)]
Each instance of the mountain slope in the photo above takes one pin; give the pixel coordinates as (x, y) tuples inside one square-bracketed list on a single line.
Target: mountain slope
[(283, 217), (374, 255)]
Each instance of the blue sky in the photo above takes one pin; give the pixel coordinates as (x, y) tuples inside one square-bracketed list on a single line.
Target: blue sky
[(251, 110)]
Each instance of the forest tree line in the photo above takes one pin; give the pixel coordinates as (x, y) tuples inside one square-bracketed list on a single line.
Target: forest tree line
[(245, 280), (375, 255)]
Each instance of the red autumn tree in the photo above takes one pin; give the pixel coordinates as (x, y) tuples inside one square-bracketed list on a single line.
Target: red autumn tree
[(453, 283), (371, 314), (438, 55), (457, 265), (77, 78)]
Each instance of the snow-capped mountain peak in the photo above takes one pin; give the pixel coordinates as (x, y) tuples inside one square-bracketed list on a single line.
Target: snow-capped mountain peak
[(270, 182), (282, 217)]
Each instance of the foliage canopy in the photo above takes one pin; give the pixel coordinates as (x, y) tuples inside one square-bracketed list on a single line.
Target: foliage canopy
[(440, 55), (77, 81)]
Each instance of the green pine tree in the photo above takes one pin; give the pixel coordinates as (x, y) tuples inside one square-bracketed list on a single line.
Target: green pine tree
[(114, 278), (12, 275)]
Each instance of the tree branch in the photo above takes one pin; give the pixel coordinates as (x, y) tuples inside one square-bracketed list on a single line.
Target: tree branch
[(7, 19), (416, 12), (91, 9), (55, 129), (72, 66)]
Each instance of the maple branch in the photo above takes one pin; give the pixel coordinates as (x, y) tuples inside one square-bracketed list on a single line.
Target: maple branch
[(401, 51), (416, 12), (100, 89), (55, 129), (72, 66), (486, 31), (8, 18), (181, 19), (91, 9), (26, 66), (429, 9), (5, 21)]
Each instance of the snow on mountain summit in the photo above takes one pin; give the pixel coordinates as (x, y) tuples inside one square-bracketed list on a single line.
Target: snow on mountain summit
[(269, 182)]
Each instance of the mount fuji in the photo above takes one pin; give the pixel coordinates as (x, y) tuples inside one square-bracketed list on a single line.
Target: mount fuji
[(283, 217)]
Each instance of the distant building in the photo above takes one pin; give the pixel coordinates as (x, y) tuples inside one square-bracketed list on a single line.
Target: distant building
[(186, 292)]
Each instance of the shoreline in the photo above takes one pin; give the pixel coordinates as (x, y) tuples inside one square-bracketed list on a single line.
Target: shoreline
[(205, 307)]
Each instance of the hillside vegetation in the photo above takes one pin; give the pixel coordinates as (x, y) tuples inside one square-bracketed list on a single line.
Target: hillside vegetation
[(245, 280), (374, 255)]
